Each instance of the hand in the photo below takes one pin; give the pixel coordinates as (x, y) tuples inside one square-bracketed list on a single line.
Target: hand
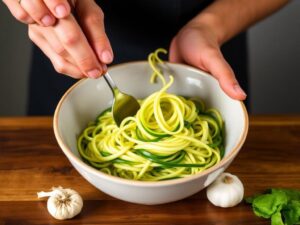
[(42, 12), (198, 46), (77, 48)]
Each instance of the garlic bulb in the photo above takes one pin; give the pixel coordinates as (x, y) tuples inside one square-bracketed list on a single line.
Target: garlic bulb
[(62, 203), (226, 191)]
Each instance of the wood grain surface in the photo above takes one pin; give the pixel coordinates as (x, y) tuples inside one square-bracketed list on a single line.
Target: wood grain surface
[(31, 161)]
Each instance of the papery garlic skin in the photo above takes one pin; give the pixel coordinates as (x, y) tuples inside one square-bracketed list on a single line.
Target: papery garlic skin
[(226, 191), (63, 203)]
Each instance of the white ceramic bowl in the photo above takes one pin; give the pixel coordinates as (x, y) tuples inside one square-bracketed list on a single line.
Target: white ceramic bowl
[(87, 98)]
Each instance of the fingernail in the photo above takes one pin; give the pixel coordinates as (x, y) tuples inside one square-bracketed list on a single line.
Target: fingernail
[(61, 11), (106, 57), (94, 73), (47, 20), (239, 90)]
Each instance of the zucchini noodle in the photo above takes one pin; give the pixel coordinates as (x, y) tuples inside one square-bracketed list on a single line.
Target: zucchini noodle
[(170, 136)]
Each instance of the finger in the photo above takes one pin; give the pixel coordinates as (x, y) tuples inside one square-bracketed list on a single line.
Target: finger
[(91, 20), (71, 36), (59, 8), (18, 12), (219, 68), (60, 64), (38, 12), (174, 55), (49, 35)]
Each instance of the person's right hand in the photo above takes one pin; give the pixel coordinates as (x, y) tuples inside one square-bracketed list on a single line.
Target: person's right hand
[(78, 48), (42, 12)]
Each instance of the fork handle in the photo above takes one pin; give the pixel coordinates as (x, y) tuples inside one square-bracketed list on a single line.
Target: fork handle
[(110, 82)]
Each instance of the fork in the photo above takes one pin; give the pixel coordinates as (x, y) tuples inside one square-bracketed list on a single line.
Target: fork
[(124, 105)]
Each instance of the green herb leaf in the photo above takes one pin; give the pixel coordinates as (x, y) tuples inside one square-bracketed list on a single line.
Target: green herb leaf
[(276, 219), (291, 213), (266, 205), (281, 205)]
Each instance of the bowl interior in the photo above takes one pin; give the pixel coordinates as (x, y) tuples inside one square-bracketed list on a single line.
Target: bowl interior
[(87, 98)]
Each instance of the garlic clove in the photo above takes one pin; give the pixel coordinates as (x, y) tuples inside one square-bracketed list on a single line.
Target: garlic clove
[(62, 203), (226, 191)]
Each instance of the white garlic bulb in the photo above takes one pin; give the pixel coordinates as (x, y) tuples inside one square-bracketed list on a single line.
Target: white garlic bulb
[(62, 203), (226, 191)]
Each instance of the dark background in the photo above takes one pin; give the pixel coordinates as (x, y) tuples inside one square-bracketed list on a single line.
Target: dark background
[(274, 63)]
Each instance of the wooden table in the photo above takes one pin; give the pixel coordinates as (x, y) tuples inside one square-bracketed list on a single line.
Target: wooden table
[(31, 161)]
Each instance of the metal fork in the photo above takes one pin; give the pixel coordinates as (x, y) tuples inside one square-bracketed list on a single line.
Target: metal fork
[(124, 105)]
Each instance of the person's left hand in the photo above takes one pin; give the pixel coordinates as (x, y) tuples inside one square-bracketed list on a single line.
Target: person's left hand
[(198, 45)]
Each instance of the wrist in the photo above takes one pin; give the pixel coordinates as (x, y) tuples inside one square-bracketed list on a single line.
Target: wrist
[(211, 22)]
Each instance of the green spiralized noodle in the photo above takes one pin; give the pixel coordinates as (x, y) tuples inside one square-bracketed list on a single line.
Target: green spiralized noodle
[(169, 137)]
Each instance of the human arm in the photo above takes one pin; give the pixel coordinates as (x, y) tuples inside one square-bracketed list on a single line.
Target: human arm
[(198, 42)]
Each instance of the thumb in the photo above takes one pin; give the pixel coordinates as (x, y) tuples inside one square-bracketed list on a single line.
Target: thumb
[(208, 58), (199, 47), (220, 69)]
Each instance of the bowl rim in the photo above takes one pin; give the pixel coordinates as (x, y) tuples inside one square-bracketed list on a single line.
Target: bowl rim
[(73, 158)]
